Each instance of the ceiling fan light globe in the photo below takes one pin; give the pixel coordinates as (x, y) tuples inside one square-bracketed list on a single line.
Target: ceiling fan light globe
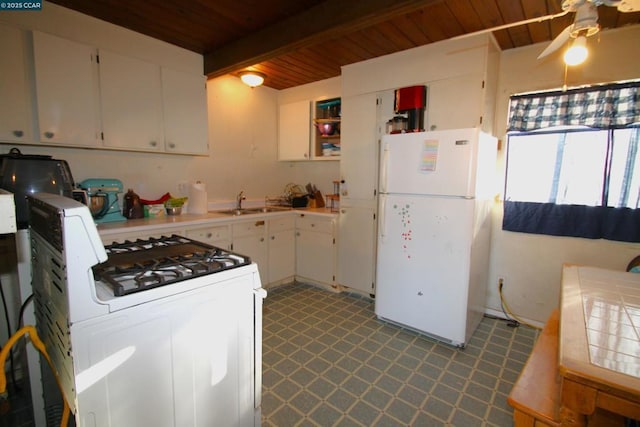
[(577, 52)]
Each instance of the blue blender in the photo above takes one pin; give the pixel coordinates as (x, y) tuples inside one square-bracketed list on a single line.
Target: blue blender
[(102, 198)]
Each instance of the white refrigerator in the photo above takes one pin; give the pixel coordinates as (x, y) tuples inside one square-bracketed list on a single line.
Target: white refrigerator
[(436, 193)]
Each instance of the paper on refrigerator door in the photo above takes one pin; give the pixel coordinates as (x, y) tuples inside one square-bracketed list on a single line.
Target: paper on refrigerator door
[(429, 155)]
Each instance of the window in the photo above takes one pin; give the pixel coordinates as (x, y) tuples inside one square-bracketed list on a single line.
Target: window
[(568, 179), (585, 167)]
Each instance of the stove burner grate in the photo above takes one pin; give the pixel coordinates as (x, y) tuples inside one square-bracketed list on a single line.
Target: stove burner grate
[(147, 264)]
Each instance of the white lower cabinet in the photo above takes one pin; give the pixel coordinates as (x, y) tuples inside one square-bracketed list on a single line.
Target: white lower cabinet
[(282, 250), (315, 249), (249, 238), (357, 248), (218, 236)]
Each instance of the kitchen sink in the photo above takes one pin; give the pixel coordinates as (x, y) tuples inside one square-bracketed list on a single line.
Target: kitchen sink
[(248, 211)]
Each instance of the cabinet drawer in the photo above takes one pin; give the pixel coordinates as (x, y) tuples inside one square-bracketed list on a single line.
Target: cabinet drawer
[(248, 228), (314, 223), (282, 223), (209, 234)]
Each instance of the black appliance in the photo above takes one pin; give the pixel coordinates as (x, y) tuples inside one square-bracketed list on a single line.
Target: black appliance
[(24, 174), (412, 102)]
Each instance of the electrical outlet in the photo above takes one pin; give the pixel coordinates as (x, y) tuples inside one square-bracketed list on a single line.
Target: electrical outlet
[(183, 187)]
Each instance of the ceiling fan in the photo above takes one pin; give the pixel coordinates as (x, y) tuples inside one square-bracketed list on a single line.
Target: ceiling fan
[(585, 23)]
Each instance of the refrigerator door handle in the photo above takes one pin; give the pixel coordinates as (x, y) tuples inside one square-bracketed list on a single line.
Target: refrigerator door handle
[(381, 218), (383, 169)]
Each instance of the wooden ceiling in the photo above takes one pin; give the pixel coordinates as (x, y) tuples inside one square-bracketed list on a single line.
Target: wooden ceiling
[(301, 41)]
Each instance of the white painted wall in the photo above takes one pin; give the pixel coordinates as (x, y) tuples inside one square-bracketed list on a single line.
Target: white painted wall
[(530, 264)]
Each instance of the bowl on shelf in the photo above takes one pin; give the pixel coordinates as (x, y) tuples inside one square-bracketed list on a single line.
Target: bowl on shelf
[(326, 129)]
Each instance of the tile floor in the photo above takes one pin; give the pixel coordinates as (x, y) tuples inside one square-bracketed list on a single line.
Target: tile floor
[(328, 361)]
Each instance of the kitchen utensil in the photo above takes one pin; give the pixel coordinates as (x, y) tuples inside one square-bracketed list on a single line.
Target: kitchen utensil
[(326, 128), (24, 174), (104, 192), (174, 210), (319, 199)]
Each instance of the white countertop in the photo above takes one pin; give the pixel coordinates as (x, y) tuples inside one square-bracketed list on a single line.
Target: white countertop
[(188, 220)]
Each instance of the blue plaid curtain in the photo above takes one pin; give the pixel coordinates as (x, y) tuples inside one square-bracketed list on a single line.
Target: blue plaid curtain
[(603, 107), (611, 106)]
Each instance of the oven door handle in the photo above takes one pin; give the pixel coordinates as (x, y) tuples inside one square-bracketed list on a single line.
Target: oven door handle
[(258, 295)]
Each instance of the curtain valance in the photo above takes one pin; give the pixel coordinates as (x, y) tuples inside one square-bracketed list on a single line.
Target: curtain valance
[(602, 107)]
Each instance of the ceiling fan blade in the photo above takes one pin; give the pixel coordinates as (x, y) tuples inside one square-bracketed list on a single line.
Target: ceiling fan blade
[(557, 43)]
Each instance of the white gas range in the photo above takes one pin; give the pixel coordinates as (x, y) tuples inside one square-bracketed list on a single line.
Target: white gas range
[(163, 332)]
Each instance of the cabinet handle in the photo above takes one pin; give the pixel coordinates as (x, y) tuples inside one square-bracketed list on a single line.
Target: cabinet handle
[(273, 237), (153, 143), (259, 223), (313, 225), (172, 145), (18, 133), (209, 235), (297, 233), (306, 155), (49, 134), (262, 239)]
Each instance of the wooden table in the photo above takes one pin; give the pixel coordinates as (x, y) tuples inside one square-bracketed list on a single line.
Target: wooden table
[(599, 353)]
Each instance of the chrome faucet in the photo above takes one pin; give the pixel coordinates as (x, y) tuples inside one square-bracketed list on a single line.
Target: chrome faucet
[(239, 198)]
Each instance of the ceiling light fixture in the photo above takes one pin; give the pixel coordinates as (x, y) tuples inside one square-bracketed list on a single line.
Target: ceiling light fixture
[(577, 53), (252, 78)]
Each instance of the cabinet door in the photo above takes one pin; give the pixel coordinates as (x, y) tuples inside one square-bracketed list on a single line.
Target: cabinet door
[(66, 77), (282, 255), (357, 248), (217, 236), (249, 239), (359, 152), (294, 131), (455, 103), (184, 100), (131, 101), (315, 256), (14, 108)]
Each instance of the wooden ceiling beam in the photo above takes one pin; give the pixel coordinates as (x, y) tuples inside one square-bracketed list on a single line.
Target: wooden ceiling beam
[(326, 21)]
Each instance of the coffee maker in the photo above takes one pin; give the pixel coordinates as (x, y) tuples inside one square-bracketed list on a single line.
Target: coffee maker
[(411, 101), (102, 198)]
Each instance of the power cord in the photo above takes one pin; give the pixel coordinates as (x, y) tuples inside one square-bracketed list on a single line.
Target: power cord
[(512, 320), (39, 345), (9, 333)]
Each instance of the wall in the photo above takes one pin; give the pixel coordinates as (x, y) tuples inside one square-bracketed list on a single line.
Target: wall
[(530, 264)]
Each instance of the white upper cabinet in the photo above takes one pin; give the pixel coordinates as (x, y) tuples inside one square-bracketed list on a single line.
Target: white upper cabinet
[(455, 103), (93, 97), (359, 152), (185, 112), (66, 76), (131, 101), (294, 131), (15, 125)]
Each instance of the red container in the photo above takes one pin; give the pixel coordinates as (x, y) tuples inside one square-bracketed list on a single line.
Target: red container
[(410, 98)]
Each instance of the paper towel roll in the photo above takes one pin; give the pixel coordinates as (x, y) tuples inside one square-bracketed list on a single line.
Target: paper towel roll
[(197, 198)]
